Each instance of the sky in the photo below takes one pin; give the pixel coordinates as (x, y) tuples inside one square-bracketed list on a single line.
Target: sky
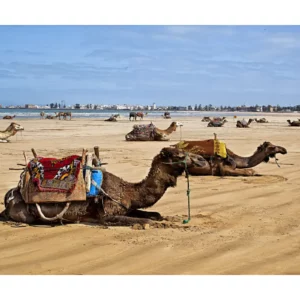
[(166, 65)]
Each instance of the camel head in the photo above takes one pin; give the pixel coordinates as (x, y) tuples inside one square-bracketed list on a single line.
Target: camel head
[(270, 150), (177, 158)]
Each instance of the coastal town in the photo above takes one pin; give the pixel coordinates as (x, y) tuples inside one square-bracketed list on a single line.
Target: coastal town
[(243, 108)]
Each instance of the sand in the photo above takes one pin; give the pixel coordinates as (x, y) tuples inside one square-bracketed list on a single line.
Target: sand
[(238, 226)]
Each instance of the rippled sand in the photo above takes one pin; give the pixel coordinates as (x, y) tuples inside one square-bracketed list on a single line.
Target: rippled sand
[(238, 226)]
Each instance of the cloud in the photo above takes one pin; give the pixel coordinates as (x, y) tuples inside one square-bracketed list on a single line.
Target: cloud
[(21, 52)]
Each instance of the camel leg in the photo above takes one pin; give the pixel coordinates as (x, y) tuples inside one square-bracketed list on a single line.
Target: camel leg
[(228, 171), (124, 221), (16, 210), (146, 215)]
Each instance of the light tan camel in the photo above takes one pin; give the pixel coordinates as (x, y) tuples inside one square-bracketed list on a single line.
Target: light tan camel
[(11, 130), (233, 164), (243, 123), (119, 202), (151, 133), (262, 120)]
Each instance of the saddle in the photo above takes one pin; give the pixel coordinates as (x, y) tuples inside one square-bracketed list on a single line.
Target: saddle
[(208, 149), (48, 180)]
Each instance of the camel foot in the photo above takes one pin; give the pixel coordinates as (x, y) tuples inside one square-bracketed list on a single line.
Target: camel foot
[(152, 215), (124, 221)]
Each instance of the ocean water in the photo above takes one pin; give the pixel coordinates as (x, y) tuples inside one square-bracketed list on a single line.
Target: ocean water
[(102, 114)]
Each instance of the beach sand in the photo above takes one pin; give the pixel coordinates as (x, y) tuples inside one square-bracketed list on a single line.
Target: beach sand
[(241, 225)]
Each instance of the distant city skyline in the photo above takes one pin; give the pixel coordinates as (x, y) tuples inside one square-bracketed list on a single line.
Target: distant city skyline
[(166, 65)]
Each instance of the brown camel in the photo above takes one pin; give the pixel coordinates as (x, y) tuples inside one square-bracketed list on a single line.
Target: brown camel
[(243, 123), (134, 115), (9, 117), (216, 123), (262, 120), (166, 115), (11, 130), (113, 118), (151, 133), (64, 115), (206, 119), (119, 202), (50, 117), (233, 164), (294, 123)]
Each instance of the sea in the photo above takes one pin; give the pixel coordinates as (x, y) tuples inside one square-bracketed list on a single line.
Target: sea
[(90, 113)]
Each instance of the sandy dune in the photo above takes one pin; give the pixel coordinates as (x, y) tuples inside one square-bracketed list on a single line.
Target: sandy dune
[(238, 226)]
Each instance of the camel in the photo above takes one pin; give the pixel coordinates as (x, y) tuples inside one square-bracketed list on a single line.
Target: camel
[(206, 119), (9, 117), (134, 115), (113, 118), (243, 123), (151, 133), (42, 115), (64, 115), (166, 115), (262, 120), (119, 202), (294, 123), (50, 117), (216, 123), (11, 130), (233, 164)]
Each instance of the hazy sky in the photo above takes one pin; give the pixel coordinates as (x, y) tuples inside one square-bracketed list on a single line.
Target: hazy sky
[(168, 65)]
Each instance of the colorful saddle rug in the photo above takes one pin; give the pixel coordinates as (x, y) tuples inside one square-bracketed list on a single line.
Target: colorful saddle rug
[(142, 133), (55, 175)]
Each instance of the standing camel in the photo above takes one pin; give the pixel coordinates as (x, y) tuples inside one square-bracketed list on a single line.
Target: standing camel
[(119, 201), (42, 115), (134, 115)]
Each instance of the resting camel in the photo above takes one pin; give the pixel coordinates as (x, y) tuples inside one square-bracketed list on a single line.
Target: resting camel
[(233, 164), (206, 119), (11, 130), (167, 115), (42, 115), (50, 117), (294, 123), (216, 123), (9, 117), (120, 202), (134, 115), (151, 133), (262, 120), (243, 123), (113, 118)]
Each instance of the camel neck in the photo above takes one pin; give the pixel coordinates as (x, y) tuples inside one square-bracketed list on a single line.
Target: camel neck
[(247, 162), (153, 187)]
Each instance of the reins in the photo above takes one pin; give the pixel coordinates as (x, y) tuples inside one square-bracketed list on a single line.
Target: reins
[(188, 191)]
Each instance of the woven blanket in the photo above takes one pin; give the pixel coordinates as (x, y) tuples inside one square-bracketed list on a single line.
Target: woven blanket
[(142, 132), (55, 175)]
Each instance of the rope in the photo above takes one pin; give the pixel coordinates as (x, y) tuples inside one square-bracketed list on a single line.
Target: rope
[(188, 191)]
